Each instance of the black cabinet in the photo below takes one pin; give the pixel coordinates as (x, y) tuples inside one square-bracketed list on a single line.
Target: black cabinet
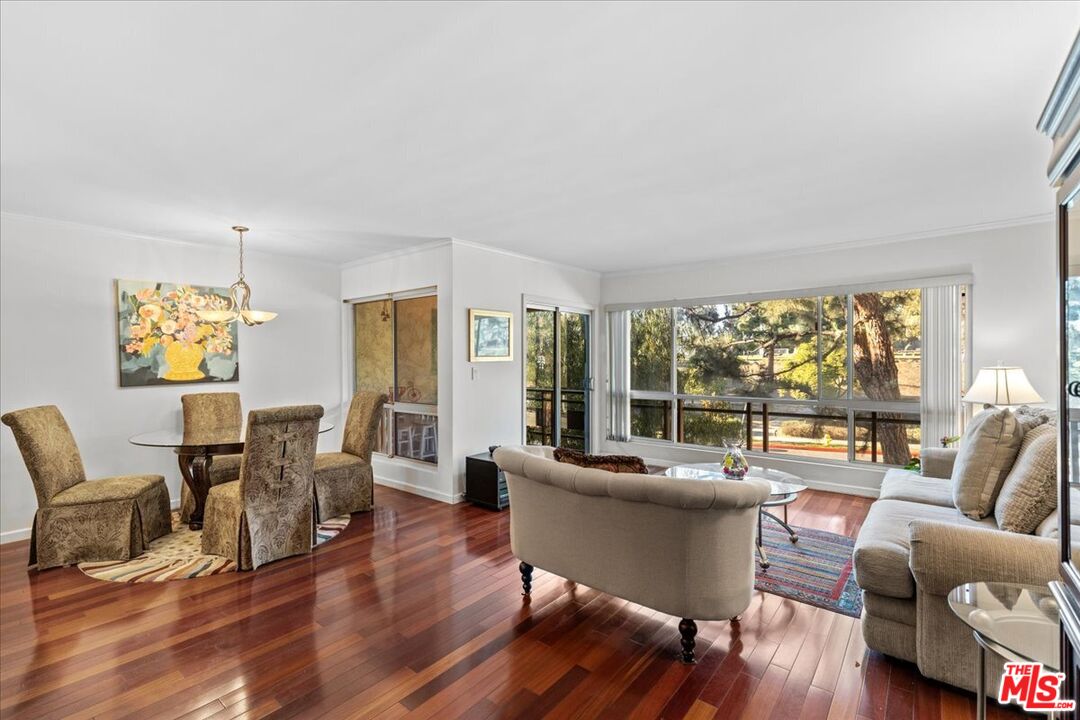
[(485, 483)]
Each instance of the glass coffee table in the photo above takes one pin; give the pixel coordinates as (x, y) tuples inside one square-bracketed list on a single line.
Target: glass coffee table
[(785, 490), (1016, 622)]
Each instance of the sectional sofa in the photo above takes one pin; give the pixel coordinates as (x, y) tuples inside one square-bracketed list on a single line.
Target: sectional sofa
[(916, 545)]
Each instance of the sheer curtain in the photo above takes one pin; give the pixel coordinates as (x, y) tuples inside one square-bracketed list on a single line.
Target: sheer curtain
[(619, 354), (942, 363)]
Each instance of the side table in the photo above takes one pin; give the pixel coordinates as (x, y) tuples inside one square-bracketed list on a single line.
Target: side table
[(485, 483), (1016, 622)]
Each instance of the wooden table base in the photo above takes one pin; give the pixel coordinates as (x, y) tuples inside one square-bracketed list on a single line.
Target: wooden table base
[(196, 472)]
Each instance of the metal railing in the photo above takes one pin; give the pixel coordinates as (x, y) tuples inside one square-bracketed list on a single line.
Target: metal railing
[(540, 417), (757, 422)]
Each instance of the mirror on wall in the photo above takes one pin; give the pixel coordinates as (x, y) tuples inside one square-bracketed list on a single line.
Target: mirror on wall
[(1069, 271)]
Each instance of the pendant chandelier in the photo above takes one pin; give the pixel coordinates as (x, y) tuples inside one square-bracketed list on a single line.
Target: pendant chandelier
[(240, 295)]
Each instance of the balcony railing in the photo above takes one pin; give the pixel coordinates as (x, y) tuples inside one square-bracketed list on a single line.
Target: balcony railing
[(760, 426), (540, 417)]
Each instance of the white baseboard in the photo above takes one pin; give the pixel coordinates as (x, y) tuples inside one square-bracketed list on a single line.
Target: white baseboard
[(842, 488), (418, 490), (14, 536), (24, 533)]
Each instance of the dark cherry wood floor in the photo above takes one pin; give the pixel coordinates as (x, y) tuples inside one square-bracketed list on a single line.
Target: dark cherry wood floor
[(414, 611)]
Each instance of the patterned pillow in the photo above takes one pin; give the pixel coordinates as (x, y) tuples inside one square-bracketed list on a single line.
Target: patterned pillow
[(611, 463), (987, 452), (1030, 417), (1029, 493)]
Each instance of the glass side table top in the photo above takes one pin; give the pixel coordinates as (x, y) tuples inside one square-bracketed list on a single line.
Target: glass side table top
[(782, 483), (225, 436), (1021, 619)]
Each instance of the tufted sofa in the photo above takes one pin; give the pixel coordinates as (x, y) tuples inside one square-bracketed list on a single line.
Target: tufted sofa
[(683, 547)]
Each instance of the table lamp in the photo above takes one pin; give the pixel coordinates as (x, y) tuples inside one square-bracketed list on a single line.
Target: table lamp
[(1001, 386)]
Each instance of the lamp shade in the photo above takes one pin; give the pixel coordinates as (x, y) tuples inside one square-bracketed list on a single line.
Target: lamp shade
[(1002, 386)]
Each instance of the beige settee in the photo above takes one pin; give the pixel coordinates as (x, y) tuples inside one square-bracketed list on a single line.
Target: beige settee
[(914, 547), (683, 547)]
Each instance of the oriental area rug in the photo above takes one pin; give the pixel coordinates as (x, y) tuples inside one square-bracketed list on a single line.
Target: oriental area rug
[(817, 570)]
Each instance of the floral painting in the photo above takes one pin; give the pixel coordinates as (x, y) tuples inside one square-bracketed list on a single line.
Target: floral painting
[(162, 339)]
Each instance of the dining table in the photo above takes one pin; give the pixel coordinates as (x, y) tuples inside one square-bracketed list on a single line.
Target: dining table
[(196, 450)]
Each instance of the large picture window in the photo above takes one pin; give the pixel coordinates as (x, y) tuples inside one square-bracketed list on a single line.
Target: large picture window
[(831, 376), (396, 352)]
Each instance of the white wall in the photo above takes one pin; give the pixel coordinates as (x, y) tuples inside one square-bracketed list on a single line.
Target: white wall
[(423, 267), (1012, 307), (58, 310), (474, 413), (489, 408)]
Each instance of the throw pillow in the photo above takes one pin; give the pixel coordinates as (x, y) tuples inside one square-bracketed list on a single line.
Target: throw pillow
[(1049, 526), (986, 455), (1030, 417), (1029, 492), (611, 463)]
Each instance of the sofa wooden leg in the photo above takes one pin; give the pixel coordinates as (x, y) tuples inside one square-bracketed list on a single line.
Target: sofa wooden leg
[(736, 618), (688, 630), (526, 578)]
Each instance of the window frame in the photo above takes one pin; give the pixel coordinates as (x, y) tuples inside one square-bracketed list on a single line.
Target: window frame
[(849, 403), (392, 407)]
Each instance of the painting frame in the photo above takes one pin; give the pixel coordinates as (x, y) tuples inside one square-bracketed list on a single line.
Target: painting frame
[(495, 330), (153, 316)]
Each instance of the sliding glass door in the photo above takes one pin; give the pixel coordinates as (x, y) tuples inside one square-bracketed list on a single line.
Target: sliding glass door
[(558, 382)]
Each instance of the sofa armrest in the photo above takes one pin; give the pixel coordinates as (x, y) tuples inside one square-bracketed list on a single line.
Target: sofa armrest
[(944, 556), (937, 462)]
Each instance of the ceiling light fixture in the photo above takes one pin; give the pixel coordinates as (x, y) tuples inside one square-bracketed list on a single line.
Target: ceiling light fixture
[(240, 294)]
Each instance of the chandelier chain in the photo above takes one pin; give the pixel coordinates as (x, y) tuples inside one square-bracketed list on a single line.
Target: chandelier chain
[(241, 232)]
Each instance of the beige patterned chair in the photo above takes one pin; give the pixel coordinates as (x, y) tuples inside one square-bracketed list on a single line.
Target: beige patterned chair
[(343, 480), (267, 514), (79, 520), (205, 412)]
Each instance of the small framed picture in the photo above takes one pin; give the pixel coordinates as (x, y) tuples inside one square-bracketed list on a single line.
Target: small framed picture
[(491, 336)]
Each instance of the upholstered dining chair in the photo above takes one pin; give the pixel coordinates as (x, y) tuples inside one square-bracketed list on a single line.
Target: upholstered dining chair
[(80, 520), (204, 412), (343, 480), (267, 514)]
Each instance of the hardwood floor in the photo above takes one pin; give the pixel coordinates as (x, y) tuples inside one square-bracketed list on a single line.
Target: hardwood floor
[(414, 611)]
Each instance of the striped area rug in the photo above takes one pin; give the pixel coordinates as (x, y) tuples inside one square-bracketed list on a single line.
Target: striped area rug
[(179, 556), (817, 570)]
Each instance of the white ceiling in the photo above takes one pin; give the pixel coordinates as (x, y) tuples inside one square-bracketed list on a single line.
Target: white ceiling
[(609, 136)]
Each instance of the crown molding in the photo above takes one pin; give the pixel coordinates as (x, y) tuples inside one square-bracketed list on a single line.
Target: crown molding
[(70, 224), (1060, 119), (1064, 93), (398, 252), (451, 241), (839, 246), (458, 242), (523, 256)]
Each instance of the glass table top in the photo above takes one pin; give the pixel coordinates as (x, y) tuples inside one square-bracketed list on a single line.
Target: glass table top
[(1022, 619), (782, 483), (219, 436)]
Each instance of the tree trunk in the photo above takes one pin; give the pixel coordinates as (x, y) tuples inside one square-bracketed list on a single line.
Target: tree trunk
[(875, 369), (768, 380)]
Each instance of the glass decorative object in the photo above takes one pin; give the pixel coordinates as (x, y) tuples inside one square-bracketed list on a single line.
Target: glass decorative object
[(734, 466)]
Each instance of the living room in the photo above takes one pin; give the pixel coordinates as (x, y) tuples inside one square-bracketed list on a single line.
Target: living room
[(571, 360)]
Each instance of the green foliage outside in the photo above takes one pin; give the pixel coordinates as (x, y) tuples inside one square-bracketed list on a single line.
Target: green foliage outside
[(768, 349), (540, 368)]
